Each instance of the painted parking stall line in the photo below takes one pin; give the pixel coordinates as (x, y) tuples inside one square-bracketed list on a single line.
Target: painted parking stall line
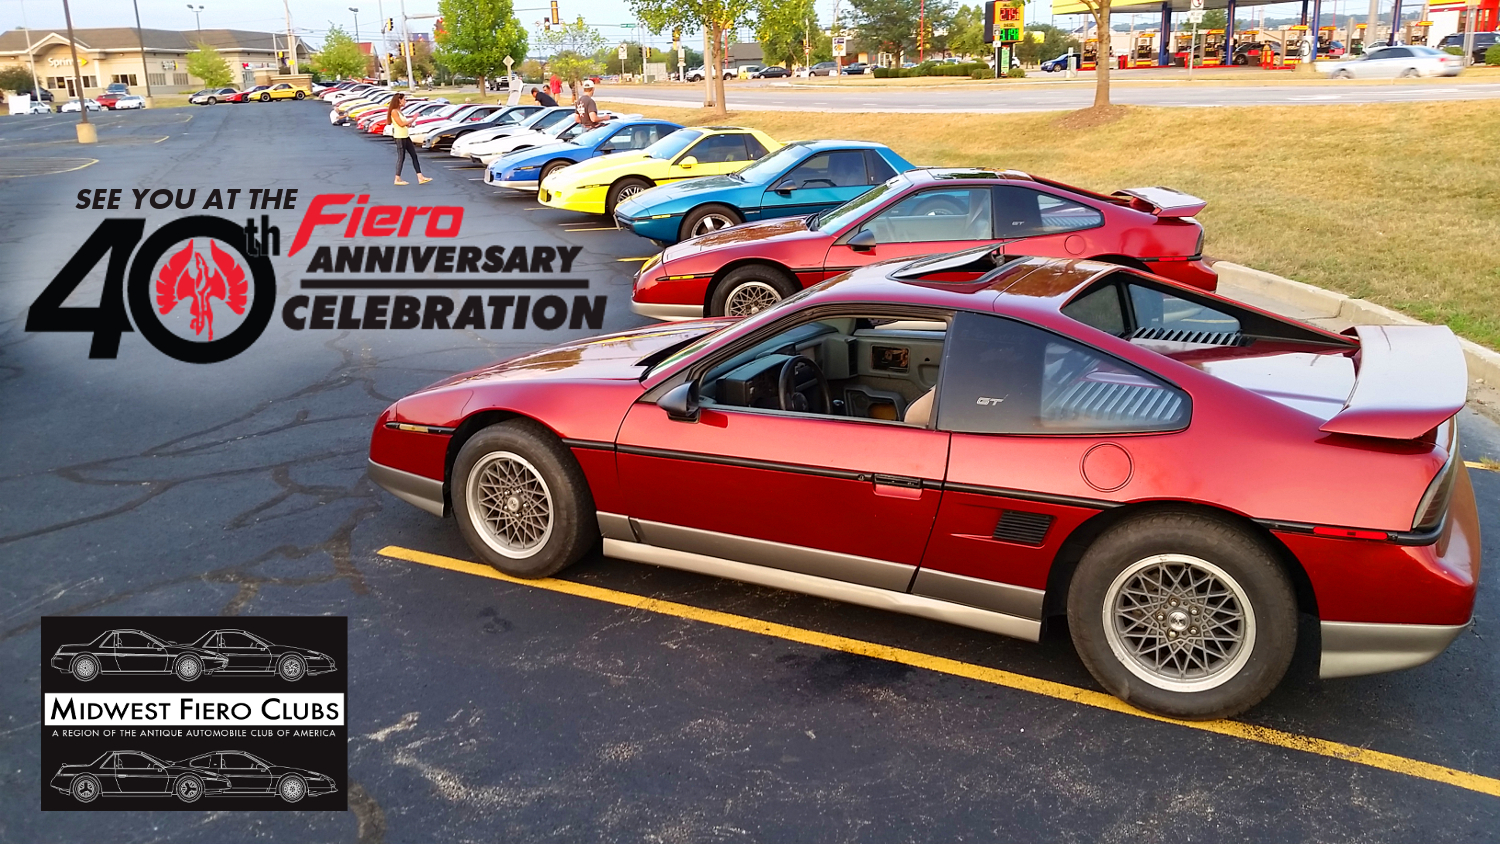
[(1282, 739)]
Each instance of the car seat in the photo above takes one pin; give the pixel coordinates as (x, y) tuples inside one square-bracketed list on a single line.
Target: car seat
[(919, 412)]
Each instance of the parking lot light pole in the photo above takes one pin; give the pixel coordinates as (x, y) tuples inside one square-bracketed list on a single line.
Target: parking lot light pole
[(145, 71), (197, 15), (87, 133)]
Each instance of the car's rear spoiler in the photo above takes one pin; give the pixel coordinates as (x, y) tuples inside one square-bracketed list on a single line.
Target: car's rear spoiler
[(1163, 202), (1411, 378)]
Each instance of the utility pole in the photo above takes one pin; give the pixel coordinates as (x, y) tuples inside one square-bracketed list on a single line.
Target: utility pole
[(36, 86), (139, 37), (291, 40), (1371, 23), (381, 63), (411, 84), (87, 133)]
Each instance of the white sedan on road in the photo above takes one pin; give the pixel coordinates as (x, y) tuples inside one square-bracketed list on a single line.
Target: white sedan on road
[(1399, 61)]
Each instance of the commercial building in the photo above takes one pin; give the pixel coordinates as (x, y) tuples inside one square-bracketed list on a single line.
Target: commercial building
[(114, 54)]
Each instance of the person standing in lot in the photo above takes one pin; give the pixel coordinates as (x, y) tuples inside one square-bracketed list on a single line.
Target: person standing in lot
[(588, 113), (401, 134), (555, 84), (542, 97)]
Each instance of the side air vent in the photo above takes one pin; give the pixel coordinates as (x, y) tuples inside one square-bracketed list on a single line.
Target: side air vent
[(1178, 335), (1022, 527)]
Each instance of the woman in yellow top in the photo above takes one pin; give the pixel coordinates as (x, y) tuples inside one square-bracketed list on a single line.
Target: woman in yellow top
[(399, 123)]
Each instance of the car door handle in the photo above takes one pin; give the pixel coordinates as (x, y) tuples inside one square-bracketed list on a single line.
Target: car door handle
[(896, 486)]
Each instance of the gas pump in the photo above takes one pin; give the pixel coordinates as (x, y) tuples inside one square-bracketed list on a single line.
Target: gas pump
[(1144, 54), (1328, 44), (1090, 54), (1211, 49), (1416, 32), (1291, 44), (1357, 42), (1182, 44)]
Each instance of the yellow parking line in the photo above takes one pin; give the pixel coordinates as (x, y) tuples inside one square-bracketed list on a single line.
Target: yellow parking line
[(994, 676), (1488, 467)]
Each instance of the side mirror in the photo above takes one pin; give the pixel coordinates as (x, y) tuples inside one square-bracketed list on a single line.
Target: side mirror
[(681, 402), (688, 163), (862, 241), (786, 186)]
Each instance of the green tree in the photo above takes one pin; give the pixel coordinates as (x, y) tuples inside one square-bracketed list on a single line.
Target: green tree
[(713, 18), (16, 79), (966, 32), (1099, 11), (1212, 19), (783, 27), (206, 64), (477, 36), (1053, 43), (886, 26), (340, 57), (572, 47)]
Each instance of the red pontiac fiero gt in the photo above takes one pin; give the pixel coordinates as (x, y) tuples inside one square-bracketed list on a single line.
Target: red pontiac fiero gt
[(991, 443), (740, 270)]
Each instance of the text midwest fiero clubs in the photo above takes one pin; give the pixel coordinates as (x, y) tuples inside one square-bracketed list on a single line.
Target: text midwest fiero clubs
[(380, 266), (242, 709)]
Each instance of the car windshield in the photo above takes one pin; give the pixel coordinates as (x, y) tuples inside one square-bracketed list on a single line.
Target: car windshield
[(595, 135), (674, 143), (561, 127), (836, 218), (768, 167)]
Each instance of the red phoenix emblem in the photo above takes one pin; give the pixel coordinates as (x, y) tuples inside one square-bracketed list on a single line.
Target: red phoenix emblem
[(187, 276)]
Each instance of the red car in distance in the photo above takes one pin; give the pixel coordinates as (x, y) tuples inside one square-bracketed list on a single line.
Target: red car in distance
[(993, 443), (246, 95), (376, 121), (740, 270)]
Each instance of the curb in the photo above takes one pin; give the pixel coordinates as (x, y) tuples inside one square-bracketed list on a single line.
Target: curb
[(1484, 364)]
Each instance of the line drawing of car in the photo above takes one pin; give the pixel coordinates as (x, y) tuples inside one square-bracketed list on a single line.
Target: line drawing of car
[(134, 652), (248, 775), (134, 773), (801, 178), (524, 170), (247, 653), (739, 271), (993, 441)]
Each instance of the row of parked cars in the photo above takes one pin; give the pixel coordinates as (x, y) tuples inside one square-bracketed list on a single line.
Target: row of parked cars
[(998, 400), (255, 94), (116, 97)]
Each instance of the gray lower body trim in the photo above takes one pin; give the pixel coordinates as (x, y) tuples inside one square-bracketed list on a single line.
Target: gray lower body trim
[(985, 594), (822, 587), (413, 489), (865, 571), (1352, 648), (668, 313), (615, 526)]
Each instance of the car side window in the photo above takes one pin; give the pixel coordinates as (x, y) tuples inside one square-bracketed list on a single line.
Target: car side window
[(936, 215), (1394, 53), (1022, 212), (756, 149), (236, 761), (132, 761), (237, 640), (719, 149), (134, 641), (878, 168), (1001, 376), (200, 761), (839, 169)]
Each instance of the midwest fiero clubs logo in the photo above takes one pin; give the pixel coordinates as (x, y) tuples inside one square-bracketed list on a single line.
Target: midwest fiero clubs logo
[(202, 289)]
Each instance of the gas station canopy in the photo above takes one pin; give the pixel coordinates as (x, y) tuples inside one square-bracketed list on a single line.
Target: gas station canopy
[(1145, 7)]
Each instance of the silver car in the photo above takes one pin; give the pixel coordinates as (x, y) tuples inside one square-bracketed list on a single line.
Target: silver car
[(1398, 61)]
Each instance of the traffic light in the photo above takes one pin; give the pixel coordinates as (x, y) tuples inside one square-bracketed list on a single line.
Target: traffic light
[(555, 18), (677, 39), (390, 24)]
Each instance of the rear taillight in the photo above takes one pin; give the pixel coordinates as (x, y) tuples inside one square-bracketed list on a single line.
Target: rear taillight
[(1434, 504)]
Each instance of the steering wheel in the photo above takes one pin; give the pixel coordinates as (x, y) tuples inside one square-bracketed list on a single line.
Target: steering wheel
[(790, 388)]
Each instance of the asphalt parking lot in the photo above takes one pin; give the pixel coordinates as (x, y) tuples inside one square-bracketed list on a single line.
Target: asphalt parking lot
[(484, 710)]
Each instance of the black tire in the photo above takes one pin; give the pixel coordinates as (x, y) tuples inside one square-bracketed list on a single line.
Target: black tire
[(748, 290), (85, 668), (265, 98), (1232, 678), (552, 167), (291, 668), (709, 218), (188, 667), (539, 496), (188, 788), (291, 788), (1410, 73), (300, 95), (621, 190), (85, 788), (213, 100)]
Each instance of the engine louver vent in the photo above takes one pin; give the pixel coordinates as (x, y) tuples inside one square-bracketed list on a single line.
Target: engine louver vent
[(1179, 335), (1022, 527)]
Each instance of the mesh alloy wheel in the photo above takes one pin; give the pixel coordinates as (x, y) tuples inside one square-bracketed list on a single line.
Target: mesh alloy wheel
[(750, 298), (85, 668), (509, 504), (1179, 623), (291, 667), (188, 668), (292, 789), (627, 191), (711, 222)]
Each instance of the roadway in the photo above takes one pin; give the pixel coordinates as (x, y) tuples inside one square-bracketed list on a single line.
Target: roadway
[(858, 95)]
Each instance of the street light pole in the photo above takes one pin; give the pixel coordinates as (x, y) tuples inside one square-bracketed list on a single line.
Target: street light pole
[(145, 71), (197, 16), (411, 84), (380, 62), (355, 10), (36, 86), (291, 42), (87, 134)]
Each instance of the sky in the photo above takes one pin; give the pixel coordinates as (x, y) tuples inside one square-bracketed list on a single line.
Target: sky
[(311, 18)]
